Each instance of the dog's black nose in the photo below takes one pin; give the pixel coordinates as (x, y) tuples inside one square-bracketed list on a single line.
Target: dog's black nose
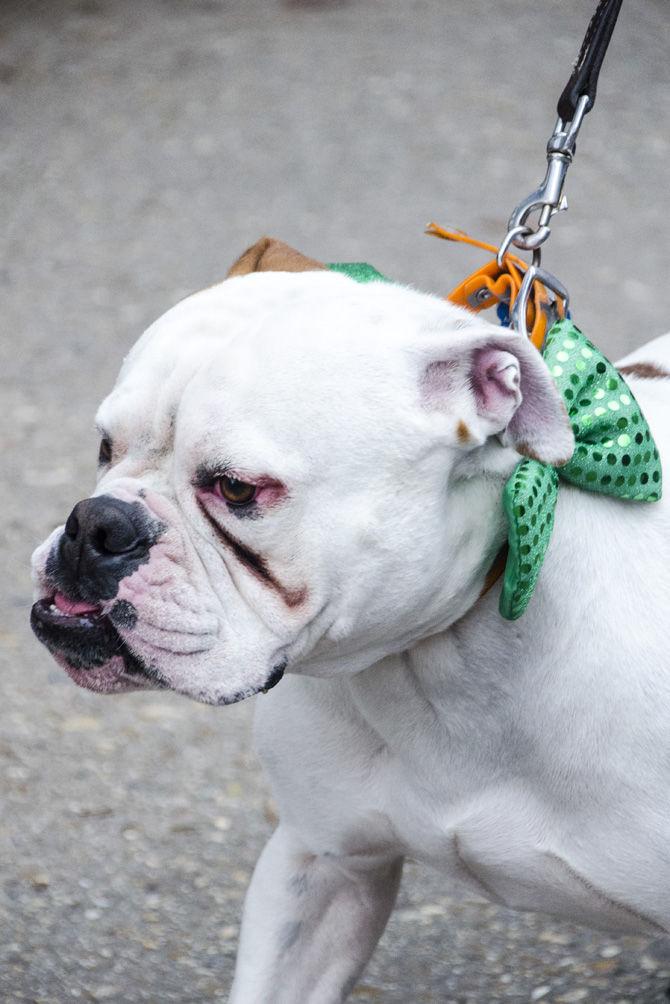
[(104, 540), (105, 526)]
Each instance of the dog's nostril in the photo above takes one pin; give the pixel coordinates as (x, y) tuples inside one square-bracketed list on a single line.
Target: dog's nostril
[(116, 537)]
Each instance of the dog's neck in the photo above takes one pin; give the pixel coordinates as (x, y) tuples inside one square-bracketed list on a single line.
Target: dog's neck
[(479, 550), (475, 538)]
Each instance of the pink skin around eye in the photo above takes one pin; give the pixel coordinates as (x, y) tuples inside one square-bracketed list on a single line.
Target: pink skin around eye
[(269, 492)]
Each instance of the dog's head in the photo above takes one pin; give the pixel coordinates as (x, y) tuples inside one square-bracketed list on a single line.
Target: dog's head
[(295, 470)]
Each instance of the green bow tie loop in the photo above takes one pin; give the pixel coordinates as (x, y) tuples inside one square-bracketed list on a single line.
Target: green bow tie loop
[(615, 455)]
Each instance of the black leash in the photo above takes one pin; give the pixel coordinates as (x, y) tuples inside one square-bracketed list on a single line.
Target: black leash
[(577, 99), (584, 79)]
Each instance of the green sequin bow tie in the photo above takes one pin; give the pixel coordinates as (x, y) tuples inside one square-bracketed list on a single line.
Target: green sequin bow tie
[(615, 454)]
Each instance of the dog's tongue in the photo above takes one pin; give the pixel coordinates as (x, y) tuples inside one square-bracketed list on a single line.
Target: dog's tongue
[(72, 608)]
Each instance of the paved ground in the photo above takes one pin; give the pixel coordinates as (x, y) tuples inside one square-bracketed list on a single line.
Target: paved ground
[(143, 146)]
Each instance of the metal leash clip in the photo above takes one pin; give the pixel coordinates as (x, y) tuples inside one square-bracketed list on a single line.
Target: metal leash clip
[(508, 280), (548, 200)]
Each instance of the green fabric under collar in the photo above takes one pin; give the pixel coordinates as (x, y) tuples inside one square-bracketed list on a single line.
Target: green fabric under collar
[(358, 270)]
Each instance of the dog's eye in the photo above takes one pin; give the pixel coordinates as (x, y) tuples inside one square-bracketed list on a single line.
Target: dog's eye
[(105, 451), (236, 492)]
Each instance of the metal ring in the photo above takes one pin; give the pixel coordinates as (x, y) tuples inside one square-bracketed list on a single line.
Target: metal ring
[(535, 274), (532, 240)]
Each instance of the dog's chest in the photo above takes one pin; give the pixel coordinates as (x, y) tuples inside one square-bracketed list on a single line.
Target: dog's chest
[(540, 782), (486, 794), (496, 837)]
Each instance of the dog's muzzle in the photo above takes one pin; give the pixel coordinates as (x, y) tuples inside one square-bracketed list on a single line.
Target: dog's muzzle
[(104, 540)]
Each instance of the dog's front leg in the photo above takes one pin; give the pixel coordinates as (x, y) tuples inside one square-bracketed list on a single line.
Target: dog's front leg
[(311, 923)]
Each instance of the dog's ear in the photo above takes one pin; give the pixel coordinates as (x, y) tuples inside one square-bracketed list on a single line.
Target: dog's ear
[(270, 255), (500, 384)]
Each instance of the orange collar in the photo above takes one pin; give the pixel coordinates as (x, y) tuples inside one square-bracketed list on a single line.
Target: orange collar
[(492, 284), (495, 571)]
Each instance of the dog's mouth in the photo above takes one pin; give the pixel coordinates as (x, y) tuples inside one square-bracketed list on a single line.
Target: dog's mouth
[(83, 640)]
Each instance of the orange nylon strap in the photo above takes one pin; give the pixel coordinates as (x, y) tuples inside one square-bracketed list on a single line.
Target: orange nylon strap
[(493, 284)]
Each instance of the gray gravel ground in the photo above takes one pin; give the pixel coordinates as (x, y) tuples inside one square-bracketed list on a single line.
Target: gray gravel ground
[(144, 145)]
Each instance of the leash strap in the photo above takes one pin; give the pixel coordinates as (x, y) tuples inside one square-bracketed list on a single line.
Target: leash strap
[(548, 199), (584, 79), (529, 225)]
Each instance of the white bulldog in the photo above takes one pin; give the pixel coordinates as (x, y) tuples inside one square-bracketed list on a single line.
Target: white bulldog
[(301, 477)]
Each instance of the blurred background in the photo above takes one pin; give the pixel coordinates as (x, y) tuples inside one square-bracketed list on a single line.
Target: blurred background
[(145, 144)]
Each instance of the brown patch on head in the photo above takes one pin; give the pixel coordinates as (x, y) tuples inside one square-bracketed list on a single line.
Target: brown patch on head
[(270, 255), (646, 371), (463, 434)]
